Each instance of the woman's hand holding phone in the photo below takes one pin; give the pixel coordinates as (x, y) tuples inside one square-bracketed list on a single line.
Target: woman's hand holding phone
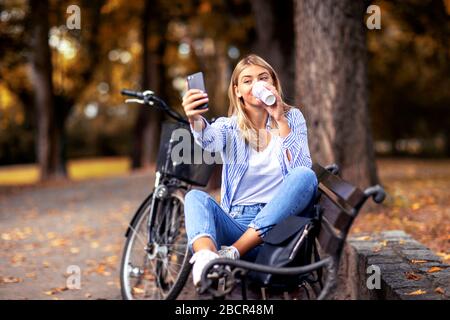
[(191, 100)]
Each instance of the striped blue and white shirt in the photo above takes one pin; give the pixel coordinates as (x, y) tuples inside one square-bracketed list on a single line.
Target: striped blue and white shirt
[(224, 136)]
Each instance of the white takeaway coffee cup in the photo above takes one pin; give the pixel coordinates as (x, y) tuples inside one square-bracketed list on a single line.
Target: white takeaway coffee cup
[(263, 94)]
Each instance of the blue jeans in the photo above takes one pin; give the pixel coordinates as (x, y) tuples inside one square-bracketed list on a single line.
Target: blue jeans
[(204, 217)]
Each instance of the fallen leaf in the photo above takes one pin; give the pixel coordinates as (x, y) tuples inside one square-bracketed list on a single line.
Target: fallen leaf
[(434, 269), (413, 276), (18, 259), (51, 235), (439, 290), (60, 242), (112, 260), (54, 291), (6, 236), (416, 293), (74, 250), (415, 206), (384, 243), (414, 261), (363, 238), (148, 275), (94, 244), (31, 275), (10, 280), (137, 290), (444, 256)]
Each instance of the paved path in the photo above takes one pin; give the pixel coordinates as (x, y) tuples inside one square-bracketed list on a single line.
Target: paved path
[(46, 230)]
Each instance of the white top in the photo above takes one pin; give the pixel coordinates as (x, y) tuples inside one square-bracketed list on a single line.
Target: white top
[(262, 178)]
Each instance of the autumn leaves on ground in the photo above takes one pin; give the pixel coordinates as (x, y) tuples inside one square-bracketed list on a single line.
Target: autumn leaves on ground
[(48, 231), (418, 202)]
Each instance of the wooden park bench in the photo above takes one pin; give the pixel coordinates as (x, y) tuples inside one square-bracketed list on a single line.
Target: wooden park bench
[(339, 203)]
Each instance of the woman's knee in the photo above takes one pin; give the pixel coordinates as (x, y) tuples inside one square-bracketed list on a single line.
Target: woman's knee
[(193, 202), (195, 196), (304, 174)]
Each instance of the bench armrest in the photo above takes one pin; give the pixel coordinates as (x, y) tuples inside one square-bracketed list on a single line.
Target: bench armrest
[(250, 266), (376, 192)]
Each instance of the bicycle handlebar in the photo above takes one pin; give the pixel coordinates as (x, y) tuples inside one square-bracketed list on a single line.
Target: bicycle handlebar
[(149, 98), (131, 93)]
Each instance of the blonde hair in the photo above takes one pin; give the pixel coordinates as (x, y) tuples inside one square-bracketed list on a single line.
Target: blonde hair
[(248, 131)]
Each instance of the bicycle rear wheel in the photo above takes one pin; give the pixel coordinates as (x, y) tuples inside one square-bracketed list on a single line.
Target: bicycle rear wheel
[(157, 270)]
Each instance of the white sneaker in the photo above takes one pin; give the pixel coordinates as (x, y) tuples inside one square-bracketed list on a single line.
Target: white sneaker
[(200, 259), (229, 252)]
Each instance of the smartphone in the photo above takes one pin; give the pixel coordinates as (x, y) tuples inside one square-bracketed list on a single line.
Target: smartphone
[(196, 81)]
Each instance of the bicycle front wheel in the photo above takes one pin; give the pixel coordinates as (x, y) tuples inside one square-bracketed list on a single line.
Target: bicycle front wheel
[(156, 269)]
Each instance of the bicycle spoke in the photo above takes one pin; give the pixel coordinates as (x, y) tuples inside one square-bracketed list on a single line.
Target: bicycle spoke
[(151, 270), (146, 284), (159, 285), (174, 279), (144, 243), (177, 252), (172, 244), (159, 259)]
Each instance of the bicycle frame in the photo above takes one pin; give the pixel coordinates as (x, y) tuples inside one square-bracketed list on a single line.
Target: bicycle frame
[(163, 186), (159, 219), (163, 183)]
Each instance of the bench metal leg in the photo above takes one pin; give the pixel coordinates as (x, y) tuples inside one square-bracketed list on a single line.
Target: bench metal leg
[(330, 282), (263, 293)]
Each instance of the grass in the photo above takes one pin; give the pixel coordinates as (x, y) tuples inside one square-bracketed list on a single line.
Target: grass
[(81, 169)]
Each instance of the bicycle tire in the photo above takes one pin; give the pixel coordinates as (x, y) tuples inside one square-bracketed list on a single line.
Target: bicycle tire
[(139, 223)]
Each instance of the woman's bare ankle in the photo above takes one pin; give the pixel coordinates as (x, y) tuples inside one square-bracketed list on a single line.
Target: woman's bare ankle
[(204, 243), (247, 241)]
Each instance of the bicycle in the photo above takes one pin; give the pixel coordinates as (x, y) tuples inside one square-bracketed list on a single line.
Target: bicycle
[(155, 260)]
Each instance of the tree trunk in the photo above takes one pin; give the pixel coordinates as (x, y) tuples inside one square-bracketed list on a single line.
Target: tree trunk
[(219, 68), (148, 123), (275, 40), (332, 85), (58, 137), (41, 76)]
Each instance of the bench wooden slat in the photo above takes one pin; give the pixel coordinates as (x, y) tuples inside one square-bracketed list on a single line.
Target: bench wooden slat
[(349, 193), (336, 215)]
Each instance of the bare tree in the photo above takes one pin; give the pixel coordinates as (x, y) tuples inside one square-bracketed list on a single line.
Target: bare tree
[(332, 85), (41, 75), (275, 39), (148, 123), (53, 108)]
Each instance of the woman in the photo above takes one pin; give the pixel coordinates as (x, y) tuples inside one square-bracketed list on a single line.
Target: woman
[(266, 173)]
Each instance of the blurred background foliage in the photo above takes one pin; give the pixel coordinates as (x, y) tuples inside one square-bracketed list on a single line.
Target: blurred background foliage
[(409, 70), (409, 74)]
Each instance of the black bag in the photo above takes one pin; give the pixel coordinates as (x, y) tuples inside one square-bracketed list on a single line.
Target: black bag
[(290, 243)]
